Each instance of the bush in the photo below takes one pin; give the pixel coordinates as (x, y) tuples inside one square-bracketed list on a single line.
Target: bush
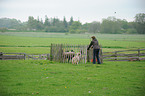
[(131, 31), (46, 29), (3, 29)]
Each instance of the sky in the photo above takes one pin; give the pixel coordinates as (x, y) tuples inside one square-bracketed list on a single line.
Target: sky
[(82, 10)]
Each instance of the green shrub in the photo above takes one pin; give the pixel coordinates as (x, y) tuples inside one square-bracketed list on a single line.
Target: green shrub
[(3, 29)]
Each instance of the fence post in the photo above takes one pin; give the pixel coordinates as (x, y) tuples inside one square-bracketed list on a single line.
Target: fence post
[(39, 56), (101, 54), (86, 55), (32, 56), (60, 54), (24, 56), (51, 53), (48, 57), (115, 55), (138, 53), (1, 54)]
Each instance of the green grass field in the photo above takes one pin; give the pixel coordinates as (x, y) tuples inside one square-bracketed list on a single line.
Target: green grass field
[(39, 43), (45, 78)]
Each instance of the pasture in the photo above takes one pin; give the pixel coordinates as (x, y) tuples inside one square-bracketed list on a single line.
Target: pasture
[(39, 43), (47, 78), (44, 78)]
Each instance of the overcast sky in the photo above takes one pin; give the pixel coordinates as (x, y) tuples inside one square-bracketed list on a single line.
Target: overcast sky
[(84, 10)]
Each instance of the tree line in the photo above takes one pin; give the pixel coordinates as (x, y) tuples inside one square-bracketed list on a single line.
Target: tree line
[(110, 25)]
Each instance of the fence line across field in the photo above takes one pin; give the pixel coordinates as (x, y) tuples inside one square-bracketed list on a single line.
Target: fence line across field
[(37, 57), (65, 52), (12, 56), (22, 56), (125, 55)]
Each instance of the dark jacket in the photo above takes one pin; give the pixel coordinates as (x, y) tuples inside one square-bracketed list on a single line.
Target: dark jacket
[(95, 44)]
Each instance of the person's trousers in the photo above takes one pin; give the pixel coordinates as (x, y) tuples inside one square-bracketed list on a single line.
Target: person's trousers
[(96, 55)]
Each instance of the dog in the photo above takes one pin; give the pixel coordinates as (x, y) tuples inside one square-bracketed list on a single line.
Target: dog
[(76, 59)]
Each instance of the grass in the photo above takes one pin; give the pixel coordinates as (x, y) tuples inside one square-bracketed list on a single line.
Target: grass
[(45, 78), (39, 43)]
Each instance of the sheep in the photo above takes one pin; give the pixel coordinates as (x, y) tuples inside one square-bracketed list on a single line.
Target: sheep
[(76, 59)]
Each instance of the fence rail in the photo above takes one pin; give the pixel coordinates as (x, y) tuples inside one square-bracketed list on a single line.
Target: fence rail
[(37, 57), (24, 56), (125, 55), (12, 56)]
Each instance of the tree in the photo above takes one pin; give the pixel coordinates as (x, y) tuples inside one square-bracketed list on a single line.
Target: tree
[(34, 24), (71, 21), (140, 18), (39, 24), (75, 27), (47, 22), (94, 27), (131, 31), (10, 23), (140, 23), (124, 24), (111, 25), (53, 21), (31, 23), (65, 24), (86, 26)]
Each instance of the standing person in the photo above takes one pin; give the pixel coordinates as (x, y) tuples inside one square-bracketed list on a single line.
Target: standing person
[(96, 49)]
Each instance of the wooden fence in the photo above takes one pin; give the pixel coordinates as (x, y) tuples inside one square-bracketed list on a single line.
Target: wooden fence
[(65, 52), (37, 57), (19, 56), (126, 55), (12, 56)]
